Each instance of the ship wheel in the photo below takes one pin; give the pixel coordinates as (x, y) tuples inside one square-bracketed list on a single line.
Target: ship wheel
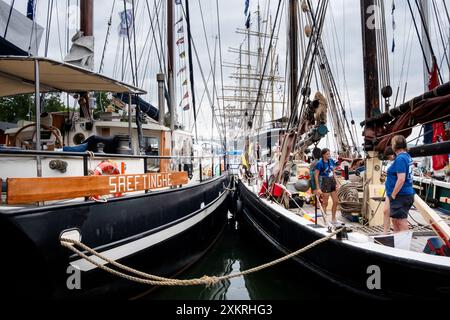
[(54, 131)]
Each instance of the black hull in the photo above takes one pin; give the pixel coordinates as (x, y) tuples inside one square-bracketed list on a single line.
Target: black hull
[(343, 264), (183, 224)]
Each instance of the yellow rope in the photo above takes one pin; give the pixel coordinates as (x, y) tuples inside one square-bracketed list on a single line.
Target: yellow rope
[(145, 278)]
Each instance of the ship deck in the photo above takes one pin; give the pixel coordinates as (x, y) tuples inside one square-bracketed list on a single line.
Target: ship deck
[(421, 231)]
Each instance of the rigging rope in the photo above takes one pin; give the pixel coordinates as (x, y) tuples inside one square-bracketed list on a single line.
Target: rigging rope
[(250, 121), (108, 33), (427, 35), (440, 34)]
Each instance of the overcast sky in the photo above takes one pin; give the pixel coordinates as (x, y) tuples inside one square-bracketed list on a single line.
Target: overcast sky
[(341, 35)]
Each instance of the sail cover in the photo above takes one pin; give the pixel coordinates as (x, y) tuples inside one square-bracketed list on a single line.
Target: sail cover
[(20, 36), (17, 77)]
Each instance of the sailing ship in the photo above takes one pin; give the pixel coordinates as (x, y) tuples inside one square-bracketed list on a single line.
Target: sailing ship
[(137, 209), (360, 254)]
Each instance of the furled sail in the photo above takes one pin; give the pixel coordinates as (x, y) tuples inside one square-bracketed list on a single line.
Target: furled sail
[(82, 51)]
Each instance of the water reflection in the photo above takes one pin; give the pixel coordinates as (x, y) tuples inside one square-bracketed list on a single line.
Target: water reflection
[(238, 250)]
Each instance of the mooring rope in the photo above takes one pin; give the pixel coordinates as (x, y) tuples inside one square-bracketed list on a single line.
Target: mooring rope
[(145, 278)]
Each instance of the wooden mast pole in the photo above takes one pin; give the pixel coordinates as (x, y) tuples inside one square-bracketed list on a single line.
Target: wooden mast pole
[(293, 58), (170, 67), (372, 211)]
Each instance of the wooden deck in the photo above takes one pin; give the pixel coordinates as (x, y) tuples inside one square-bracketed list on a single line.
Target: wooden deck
[(421, 231)]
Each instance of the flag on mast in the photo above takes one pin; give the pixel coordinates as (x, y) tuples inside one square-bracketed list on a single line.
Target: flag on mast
[(439, 161), (180, 41), (247, 13), (126, 22), (30, 10), (181, 70), (181, 19)]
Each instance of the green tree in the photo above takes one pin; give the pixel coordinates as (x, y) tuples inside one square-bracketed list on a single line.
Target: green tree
[(102, 102), (22, 107)]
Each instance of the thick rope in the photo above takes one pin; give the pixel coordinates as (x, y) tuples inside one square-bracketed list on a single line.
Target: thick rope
[(161, 281), (349, 198)]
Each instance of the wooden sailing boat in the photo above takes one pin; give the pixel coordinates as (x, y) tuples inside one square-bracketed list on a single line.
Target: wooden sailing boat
[(354, 260), (159, 222)]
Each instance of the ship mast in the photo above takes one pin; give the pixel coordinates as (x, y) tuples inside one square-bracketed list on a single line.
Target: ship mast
[(87, 17), (293, 58), (170, 66), (372, 211)]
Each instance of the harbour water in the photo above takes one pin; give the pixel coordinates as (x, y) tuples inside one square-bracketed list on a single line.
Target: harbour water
[(238, 250)]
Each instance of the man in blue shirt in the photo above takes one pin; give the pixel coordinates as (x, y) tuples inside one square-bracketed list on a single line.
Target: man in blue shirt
[(399, 186)]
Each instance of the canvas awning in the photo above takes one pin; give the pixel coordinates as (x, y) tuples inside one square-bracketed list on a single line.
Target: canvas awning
[(17, 76)]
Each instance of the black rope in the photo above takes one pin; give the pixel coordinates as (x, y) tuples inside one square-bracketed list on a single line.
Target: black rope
[(108, 33), (312, 49), (419, 38), (250, 122), (129, 42), (9, 18), (49, 23), (134, 44), (221, 73), (329, 76), (209, 56), (161, 63), (440, 33), (191, 68), (446, 11), (427, 34), (203, 77)]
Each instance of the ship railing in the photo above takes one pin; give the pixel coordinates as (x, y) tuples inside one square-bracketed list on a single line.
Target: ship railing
[(199, 168)]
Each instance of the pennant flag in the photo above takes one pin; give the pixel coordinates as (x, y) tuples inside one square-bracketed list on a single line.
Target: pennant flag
[(181, 19), (177, 1), (393, 45), (126, 16), (437, 128), (186, 107), (181, 70), (180, 41), (185, 83), (247, 22), (180, 30), (183, 54), (247, 13), (186, 95), (30, 10)]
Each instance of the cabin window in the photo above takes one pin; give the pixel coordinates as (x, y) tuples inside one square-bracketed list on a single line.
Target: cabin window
[(151, 146)]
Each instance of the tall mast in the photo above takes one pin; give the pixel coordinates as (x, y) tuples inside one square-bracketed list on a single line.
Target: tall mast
[(370, 61), (170, 65), (293, 42), (191, 68), (372, 211), (427, 65), (87, 17)]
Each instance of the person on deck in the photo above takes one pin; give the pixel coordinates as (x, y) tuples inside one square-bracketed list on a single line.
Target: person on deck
[(389, 154), (325, 178), (399, 186)]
